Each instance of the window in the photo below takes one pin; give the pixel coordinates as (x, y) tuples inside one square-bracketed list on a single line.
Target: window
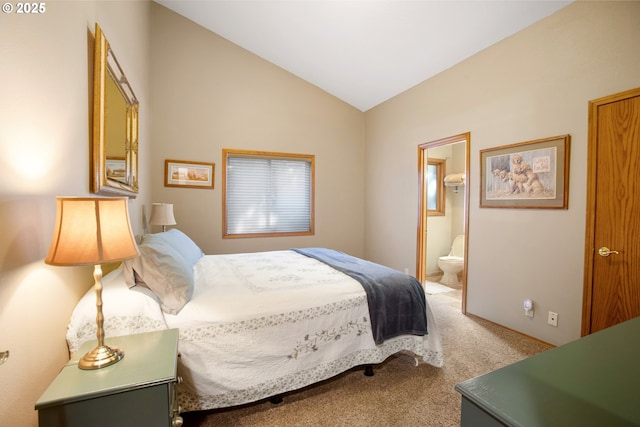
[(435, 186), (267, 194)]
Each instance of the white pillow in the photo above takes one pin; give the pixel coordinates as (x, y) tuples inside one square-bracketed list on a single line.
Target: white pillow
[(125, 311)]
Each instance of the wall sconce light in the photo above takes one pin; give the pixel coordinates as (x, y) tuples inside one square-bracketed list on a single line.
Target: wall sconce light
[(93, 231)]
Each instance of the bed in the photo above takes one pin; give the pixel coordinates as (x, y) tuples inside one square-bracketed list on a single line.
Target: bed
[(256, 325)]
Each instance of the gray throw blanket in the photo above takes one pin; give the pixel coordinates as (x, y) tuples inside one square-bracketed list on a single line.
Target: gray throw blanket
[(396, 300)]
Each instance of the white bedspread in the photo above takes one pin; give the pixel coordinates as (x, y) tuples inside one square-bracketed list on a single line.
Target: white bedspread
[(257, 325), (265, 323)]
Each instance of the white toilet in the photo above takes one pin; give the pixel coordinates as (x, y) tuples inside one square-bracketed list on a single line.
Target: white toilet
[(453, 263)]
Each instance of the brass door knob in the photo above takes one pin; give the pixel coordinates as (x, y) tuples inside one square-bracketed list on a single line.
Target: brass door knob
[(605, 251)]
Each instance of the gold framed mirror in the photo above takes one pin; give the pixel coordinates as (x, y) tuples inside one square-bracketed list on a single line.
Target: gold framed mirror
[(114, 153)]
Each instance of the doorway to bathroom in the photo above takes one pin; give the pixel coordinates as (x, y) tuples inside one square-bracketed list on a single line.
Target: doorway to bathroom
[(443, 170)]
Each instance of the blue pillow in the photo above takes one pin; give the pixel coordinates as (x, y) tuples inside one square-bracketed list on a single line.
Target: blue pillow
[(179, 241)]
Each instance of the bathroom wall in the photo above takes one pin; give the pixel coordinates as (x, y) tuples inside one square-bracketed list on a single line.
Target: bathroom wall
[(456, 197)]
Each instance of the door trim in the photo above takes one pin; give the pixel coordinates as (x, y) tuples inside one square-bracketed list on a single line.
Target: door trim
[(590, 251), (422, 224)]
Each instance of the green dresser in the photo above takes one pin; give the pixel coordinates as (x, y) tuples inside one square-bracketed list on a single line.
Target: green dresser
[(593, 381), (138, 391)]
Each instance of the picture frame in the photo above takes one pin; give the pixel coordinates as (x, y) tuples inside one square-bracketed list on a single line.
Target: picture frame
[(188, 174), (116, 168), (526, 175)]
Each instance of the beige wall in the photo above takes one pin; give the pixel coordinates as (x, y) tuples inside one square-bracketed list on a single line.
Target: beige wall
[(209, 94), (44, 152), (532, 85)]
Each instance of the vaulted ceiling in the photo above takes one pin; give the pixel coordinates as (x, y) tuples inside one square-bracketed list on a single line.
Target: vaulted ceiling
[(364, 52)]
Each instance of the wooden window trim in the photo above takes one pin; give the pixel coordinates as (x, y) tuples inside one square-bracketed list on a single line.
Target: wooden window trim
[(440, 201), (226, 152)]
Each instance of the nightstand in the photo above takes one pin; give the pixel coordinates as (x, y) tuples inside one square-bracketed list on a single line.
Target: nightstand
[(138, 391), (592, 381)]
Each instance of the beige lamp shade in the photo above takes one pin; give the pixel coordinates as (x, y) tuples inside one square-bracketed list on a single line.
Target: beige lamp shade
[(90, 231), (162, 214), (93, 231)]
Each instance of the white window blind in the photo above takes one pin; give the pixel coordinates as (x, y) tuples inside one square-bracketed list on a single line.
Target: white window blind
[(267, 195)]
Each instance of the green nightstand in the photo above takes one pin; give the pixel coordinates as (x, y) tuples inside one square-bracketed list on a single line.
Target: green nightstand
[(138, 391)]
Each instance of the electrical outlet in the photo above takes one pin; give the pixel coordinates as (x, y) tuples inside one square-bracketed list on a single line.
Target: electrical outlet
[(553, 319)]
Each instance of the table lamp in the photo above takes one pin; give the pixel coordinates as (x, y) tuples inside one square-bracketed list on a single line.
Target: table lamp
[(93, 231), (162, 214)]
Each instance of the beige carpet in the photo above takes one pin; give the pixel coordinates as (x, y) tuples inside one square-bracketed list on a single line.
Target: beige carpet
[(399, 394)]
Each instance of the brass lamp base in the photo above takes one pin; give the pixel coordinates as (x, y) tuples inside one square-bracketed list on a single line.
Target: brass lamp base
[(100, 357)]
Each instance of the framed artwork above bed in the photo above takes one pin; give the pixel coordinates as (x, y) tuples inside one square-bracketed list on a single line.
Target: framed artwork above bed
[(184, 173)]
